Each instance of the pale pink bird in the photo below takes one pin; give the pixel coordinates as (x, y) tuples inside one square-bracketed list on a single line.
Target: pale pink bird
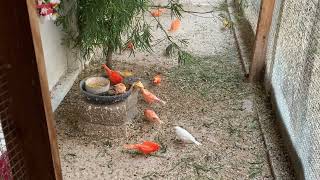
[(151, 116), (151, 98), (175, 25)]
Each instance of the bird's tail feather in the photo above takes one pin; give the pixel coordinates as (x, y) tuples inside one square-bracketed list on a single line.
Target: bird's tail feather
[(162, 102), (159, 121), (130, 146), (197, 143)]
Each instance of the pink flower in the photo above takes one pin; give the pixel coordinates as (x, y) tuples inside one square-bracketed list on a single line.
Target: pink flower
[(5, 172)]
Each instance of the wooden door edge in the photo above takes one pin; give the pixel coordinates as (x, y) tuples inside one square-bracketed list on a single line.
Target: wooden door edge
[(36, 37)]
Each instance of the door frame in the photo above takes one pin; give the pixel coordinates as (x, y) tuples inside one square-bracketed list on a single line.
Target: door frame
[(30, 103)]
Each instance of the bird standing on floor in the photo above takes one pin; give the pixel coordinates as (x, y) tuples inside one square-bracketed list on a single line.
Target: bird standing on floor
[(158, 12), (150, 98), (114, 77), (147, 147), (151, 116), (185, 136), (130, 45), (175, 25), (157, 80)]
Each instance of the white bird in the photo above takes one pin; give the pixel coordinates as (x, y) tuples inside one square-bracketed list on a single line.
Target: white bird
[(185, 136)]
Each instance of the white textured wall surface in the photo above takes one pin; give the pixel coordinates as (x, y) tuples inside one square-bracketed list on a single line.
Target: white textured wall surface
[(293, 73), (293, 70), (55, 54), (62, 63), (273, 39)]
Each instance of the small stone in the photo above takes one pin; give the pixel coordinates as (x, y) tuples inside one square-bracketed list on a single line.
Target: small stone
[(247, 105)]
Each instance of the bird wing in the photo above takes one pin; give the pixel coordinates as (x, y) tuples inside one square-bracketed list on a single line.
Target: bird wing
[(184, 135)]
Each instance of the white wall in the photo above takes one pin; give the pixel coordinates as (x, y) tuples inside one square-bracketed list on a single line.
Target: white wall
[(54, 53), (293, 72), (62, 63), (293, 76)]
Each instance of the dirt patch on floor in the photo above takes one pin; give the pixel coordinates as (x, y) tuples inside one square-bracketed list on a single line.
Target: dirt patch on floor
[(207, 97)]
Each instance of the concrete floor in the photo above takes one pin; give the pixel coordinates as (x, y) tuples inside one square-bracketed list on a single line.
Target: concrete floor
[(208, 97)]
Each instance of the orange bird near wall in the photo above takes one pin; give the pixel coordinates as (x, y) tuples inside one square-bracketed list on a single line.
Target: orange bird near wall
[(175, 25), (114, 77), (158, 12), (147, 147)]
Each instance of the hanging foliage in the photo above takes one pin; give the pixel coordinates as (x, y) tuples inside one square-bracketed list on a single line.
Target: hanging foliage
[(113, 24)]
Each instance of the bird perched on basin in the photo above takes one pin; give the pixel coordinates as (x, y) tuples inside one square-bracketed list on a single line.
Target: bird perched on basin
[(114, 77), (175, 25), (120, 88), (138, 84), (147, 147), (150, 98), (185, 136), (151, 116), (156, 80)]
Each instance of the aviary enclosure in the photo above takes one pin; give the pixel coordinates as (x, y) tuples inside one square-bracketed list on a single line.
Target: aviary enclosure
[(167, 90)]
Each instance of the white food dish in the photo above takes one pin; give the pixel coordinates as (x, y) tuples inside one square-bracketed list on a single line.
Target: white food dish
[(97, 85)]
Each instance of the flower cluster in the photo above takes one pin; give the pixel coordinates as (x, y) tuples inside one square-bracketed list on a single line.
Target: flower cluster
[(48, 9), (5, 172)]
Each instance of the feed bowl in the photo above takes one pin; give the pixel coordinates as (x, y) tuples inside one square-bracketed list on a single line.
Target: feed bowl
[(103, 98), (97, 85)]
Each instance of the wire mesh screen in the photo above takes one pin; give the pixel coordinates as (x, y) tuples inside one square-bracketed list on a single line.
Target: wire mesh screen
[(293, 71), (295, 79), (12, 164), (293, 68)]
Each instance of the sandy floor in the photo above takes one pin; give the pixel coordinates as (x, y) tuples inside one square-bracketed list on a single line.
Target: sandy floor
[(223, 120), (204, 32), (207, 97)]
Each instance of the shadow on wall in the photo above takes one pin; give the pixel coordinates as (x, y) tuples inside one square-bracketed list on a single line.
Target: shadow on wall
[(247, 34), (293, 67)]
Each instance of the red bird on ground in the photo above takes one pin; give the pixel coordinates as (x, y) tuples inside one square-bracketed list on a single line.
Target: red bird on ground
[(147, 147), (114, 77)]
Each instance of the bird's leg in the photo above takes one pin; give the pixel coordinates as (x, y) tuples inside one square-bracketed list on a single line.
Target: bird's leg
[(183, 144)]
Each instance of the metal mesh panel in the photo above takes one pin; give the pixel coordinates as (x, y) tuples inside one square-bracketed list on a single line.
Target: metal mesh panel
[(12, 164), (293, 69)]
